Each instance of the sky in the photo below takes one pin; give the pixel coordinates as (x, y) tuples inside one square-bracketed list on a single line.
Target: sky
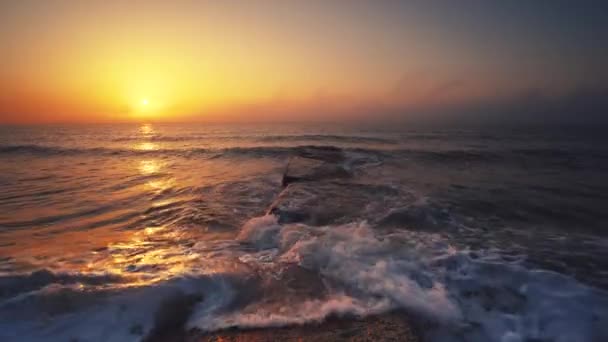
[(468, 60)]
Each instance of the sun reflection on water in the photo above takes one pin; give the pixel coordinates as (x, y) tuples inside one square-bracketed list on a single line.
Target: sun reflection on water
[(150, 255), (161, 185), (149, 166), (159, 251), (146, 129), (146, 146)]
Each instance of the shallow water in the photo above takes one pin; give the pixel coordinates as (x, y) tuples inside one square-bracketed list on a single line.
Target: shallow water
[(492, 234)]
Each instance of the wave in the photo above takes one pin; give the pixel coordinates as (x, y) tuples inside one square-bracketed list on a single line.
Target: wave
[(15, 284), (571, 159), (253, 151), (457, 155), (322, 137), (40, 150), (343, 270), (479, 296), (158, 138), (262, 138)]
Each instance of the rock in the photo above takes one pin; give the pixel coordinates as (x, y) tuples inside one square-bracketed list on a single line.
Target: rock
[(171, 317), (314, 164), (322, 203), (300, 169), (329, 154)]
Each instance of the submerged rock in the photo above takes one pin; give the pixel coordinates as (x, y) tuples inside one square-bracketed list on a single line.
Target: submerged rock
[(300, 169), (322, 203), (330, 154), (315, 164)]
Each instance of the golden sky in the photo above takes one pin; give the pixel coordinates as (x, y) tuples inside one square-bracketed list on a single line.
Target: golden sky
[(98, 61)]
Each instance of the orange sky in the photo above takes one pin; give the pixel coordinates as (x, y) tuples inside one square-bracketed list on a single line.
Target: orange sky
[(90, 61)]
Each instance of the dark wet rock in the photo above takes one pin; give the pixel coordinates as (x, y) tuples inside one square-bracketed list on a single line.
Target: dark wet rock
[(171, 316), (315, 163), (322, 203), (301, 169), (328, 154)]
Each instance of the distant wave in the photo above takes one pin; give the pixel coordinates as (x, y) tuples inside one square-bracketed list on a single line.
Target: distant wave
[(322, 137), (56, 150), (45, 150), (570, 158), (264, 138), (158, 138), (457, 155)]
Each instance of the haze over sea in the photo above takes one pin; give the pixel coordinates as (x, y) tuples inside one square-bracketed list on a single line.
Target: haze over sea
[(488, 233)]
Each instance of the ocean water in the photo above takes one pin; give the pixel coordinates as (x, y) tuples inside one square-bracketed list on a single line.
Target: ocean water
[(485, 233)]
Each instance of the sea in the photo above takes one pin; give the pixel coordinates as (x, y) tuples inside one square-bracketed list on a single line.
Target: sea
[(483, 233)]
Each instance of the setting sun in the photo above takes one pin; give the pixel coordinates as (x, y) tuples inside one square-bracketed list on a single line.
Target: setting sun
[(145, 108)]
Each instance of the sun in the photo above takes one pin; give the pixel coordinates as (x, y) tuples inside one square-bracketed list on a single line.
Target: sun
[(146, 107)]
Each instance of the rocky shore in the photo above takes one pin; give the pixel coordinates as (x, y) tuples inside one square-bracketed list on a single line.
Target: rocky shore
[(318, 190)]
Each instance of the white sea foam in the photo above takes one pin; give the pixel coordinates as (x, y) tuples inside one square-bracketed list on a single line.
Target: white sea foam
[(470, 296), (467, 296), (304, 312)]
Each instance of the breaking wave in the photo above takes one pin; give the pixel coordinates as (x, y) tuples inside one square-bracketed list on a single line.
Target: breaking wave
[(464, 248), (480, 296), (574, 158), (353, 269)]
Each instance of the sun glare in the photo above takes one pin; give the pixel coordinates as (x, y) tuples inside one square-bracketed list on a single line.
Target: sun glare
[(145, 108)]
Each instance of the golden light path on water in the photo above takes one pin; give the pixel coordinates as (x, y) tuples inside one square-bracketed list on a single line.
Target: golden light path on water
[(149, 166), (155, 253), (147, 146), (146, 129), (143, 232)]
